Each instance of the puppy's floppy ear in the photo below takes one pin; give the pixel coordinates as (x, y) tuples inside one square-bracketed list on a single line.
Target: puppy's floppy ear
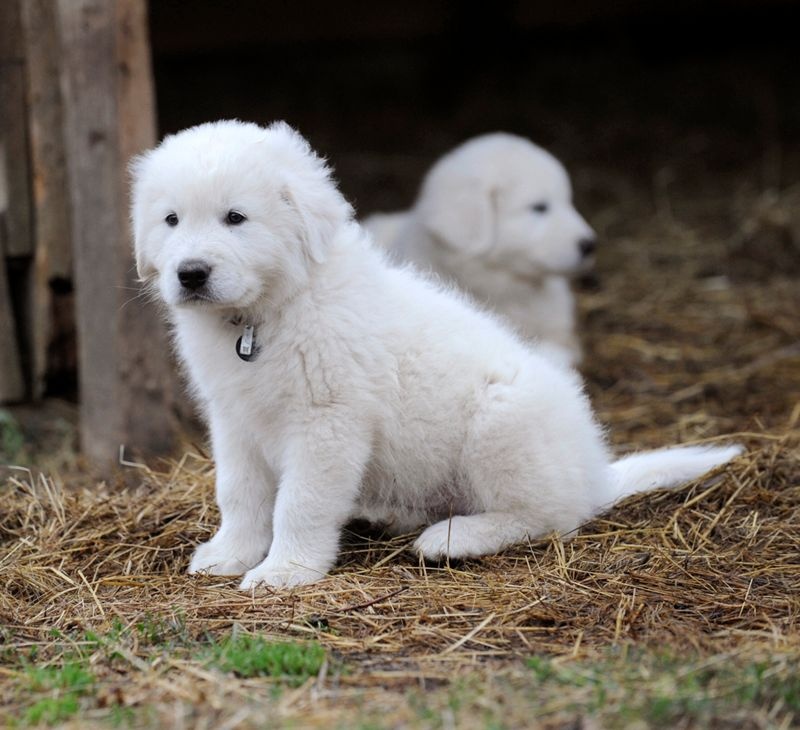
[(136, 168), (319, 221), (310, 191), (459, 211), (144, 267)]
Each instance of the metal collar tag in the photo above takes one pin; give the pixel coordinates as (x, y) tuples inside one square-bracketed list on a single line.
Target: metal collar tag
[(246, 345)]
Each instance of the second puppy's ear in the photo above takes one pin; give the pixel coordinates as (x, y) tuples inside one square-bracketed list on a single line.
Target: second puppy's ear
[(459, 212)]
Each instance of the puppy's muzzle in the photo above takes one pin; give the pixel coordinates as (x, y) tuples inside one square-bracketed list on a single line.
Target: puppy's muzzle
[(193, 274)]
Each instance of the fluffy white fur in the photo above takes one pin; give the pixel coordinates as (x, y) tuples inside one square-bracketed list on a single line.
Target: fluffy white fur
[(495, 216), (375, 393)]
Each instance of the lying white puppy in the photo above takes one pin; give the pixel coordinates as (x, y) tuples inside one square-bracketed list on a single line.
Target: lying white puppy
[(337, 386), (495, 216)]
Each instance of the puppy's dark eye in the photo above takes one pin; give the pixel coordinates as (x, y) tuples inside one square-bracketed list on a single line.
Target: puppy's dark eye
[(540, 207), (172, 220), (234, 217)]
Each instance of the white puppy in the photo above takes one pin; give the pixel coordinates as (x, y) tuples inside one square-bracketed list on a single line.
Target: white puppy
[(495, 216), (367, 391)]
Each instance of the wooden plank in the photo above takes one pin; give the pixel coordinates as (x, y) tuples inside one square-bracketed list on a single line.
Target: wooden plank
[(52, 269), (16, 223), (126, 381)]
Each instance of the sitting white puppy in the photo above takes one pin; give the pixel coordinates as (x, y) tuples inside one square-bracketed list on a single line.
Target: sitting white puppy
[(495, 216), (337, 386)]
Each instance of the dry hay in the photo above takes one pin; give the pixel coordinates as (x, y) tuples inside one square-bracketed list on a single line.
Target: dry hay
[(686, 349), (709, 564)]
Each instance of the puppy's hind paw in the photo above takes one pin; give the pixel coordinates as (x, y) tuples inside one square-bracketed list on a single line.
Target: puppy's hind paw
[(442, 541), (469, 536)]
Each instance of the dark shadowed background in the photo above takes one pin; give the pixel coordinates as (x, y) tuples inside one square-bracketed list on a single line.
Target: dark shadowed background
[(629, 90)]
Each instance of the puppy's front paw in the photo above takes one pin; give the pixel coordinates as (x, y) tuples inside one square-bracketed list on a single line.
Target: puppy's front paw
[(289, 574), (225, 557)]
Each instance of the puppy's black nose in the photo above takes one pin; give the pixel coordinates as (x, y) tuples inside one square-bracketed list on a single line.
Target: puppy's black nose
[(193, 274), (587, 246)]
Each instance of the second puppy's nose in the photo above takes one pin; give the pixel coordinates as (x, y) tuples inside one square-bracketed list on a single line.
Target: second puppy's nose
[(193, 274), (587, 246)]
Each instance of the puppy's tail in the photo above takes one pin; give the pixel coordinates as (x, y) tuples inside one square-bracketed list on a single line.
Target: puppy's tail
[(668, 467)]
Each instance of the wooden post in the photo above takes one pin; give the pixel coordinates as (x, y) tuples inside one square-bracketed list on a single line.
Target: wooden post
[(126, 381), (51, 284), (15, 215)]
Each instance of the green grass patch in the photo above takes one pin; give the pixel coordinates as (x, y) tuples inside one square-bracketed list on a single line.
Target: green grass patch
[(12, 439), (79, 671), (631, 687), (247, 655), (63, 685), (72, 676), (52, 710), (661, 689), (55, 682)]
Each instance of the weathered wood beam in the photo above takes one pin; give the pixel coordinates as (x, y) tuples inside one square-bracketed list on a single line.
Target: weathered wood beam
[(126, 380)]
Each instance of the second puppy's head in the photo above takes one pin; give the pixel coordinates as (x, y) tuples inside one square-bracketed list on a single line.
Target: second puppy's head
[(228, 213), (501, 199)]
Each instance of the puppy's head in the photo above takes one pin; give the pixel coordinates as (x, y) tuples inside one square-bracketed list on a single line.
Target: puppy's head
[(227, 213), (503, 199)]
